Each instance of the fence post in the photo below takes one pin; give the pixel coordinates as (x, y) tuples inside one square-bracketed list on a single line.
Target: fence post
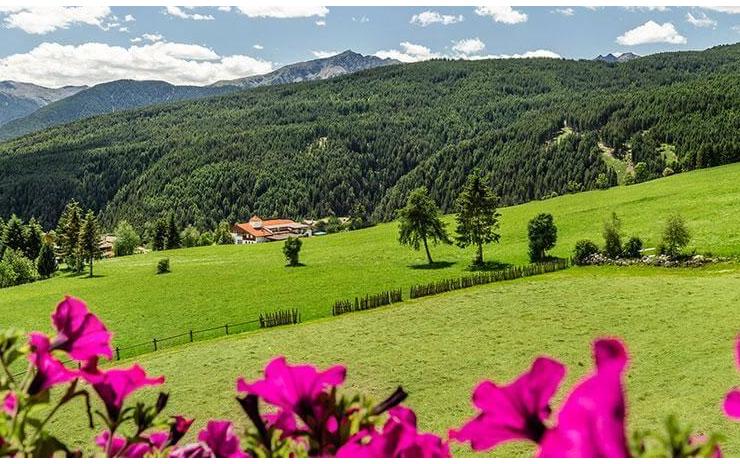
[(191, 335), (118, 354), (226, 327), (155, 344)]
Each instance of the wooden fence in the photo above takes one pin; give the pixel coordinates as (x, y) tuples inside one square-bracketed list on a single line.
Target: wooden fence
[(367, 302), (482, 278)]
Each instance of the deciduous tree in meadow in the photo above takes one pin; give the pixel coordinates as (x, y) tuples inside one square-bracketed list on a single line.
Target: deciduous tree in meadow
[(291, 250), (542, 234), (420, 222), (127, 239), (477, 217)]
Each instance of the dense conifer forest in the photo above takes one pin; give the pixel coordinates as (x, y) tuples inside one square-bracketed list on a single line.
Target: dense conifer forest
[(366, 140)]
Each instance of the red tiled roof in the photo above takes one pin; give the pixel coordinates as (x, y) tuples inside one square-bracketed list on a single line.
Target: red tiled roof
[(248, 229), (276, 222)]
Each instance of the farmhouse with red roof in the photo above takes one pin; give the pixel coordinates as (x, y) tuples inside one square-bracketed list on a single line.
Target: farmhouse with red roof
[(259, 230)]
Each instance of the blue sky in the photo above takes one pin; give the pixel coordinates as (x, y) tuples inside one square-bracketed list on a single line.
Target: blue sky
[(57, 46)]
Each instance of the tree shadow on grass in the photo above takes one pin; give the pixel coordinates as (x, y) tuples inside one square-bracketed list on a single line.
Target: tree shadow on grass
[(434, 265), (295, 265), (488, 266)]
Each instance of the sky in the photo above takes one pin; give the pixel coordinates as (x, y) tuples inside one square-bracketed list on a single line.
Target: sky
[(55, 46)]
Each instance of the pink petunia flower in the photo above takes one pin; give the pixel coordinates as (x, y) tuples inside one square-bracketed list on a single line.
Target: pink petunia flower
[(49, 370), (114, 385), (178, 429), (398, 439), (293, 388), (591, 423), (217, 440), (119, 446), (80, 332), (10, 404), (732, 400), (516, 411)]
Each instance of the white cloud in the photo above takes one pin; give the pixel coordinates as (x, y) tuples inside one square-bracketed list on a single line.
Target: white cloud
[(736, 28), (320, 22), (136, 40), (179, 13), (463, 49), (426, 18), (651, 32), (152, 37), (296, 10), (565, 11), (361, 19), (258, 47), (224, 8), (724, 9), (701, 20), (54, 65), (410, 52), (502, 14), (122, 29), (540, 53), (324, 54), (469, 46), (45, 19), (129, 18), (647, 8)]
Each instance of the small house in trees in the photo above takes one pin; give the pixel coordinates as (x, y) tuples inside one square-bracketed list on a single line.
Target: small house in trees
[(259, 230)]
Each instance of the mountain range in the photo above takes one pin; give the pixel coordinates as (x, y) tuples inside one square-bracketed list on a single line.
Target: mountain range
[(18, 99), (26, 108), (621, 58)]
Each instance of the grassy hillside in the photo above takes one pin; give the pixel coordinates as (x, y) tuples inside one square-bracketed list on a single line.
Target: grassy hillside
[(317, 148), (225, 284), (679, 325)]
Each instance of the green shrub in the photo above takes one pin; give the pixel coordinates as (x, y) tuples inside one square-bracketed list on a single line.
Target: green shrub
[(163, 266), (668, 172), (206, 238), (190, 237), (584, 249), (23, 268), (7, 275), (633, 248)]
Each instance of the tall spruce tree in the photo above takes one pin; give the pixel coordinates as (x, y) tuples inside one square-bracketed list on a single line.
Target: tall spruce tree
[(172, 240), (47, 262), (68, 232), (477, 216), (159, 237), (420, 222), (13, 236), (89, 243), (33, 236)]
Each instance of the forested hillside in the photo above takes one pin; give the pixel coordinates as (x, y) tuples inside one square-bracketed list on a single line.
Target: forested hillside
[(311, 149)]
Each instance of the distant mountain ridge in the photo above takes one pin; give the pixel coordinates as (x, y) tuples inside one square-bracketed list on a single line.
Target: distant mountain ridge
[(346, 62), (18, 99), (82, 102), (622, 58)]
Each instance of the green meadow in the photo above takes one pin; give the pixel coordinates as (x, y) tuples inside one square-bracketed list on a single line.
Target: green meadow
[(216, 285), (679, 325)]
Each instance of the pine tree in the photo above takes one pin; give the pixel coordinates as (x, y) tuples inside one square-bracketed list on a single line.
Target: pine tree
[(47, 262), (89, 242), (33, 236), (421, 222), (68, 231), (172, 238), (13, 236), (160, 236), (477, 217)]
